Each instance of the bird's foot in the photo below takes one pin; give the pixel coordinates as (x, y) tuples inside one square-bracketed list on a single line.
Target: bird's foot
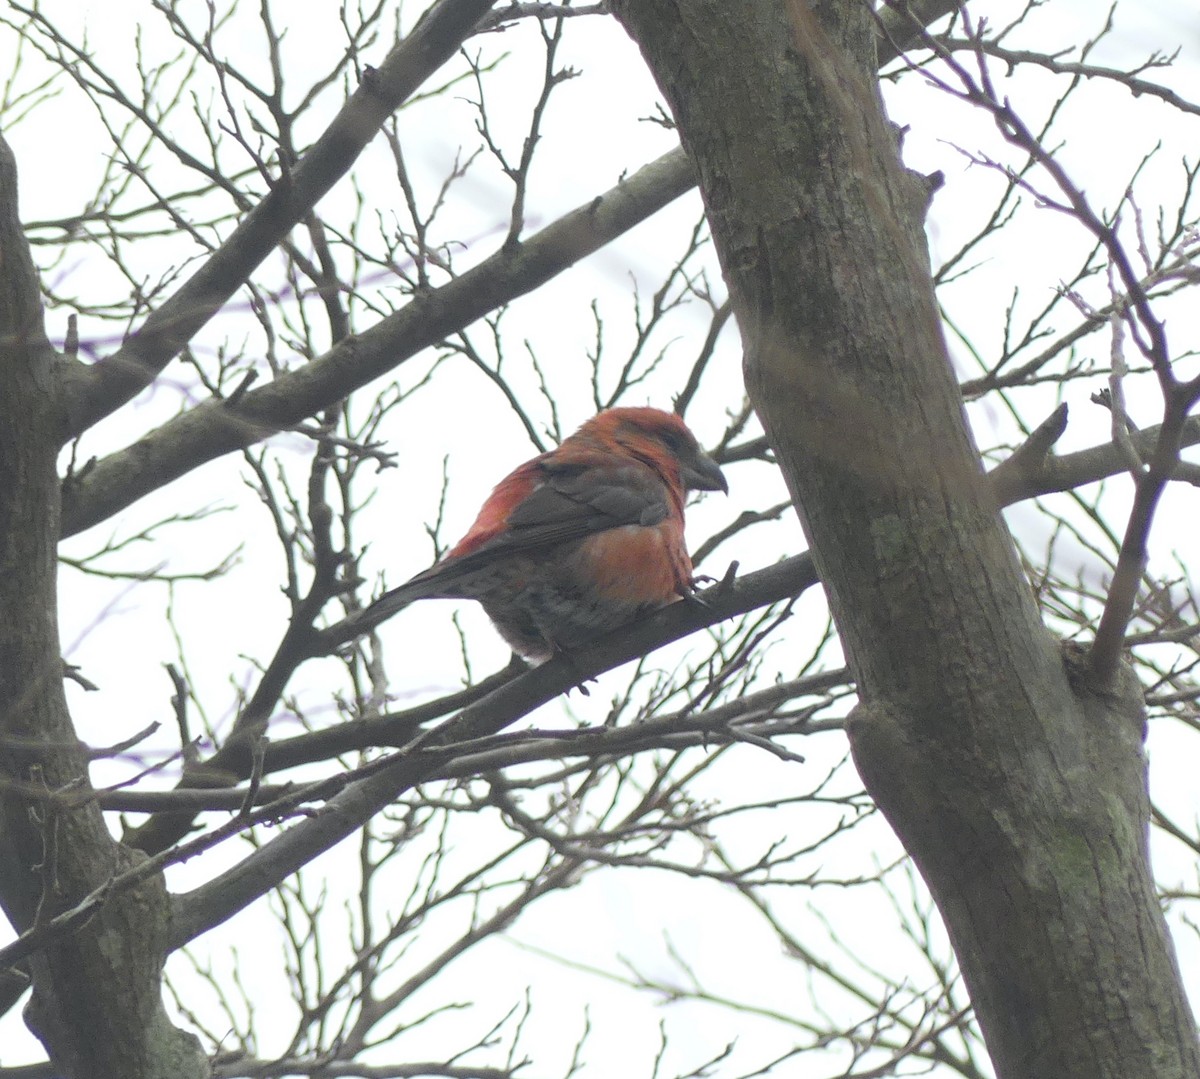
[(580, 678)]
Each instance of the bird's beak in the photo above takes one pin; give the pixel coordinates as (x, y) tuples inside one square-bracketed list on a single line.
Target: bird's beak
[(701, 473)]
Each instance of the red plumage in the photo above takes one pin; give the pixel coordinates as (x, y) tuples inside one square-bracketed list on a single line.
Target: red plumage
[(579, 540)]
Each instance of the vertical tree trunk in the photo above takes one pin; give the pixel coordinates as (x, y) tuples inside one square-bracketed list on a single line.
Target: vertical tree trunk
[(97, 999), (1019, 790)]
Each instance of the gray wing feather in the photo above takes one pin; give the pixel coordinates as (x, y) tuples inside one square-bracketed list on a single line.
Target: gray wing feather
[(577, 501)]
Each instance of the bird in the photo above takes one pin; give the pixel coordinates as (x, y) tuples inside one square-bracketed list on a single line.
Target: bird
[(577, 541)]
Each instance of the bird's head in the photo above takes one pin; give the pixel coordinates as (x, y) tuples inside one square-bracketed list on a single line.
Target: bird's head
[(649, 432)]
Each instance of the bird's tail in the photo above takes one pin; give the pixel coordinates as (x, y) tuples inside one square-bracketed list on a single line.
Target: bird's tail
[(423, 586)]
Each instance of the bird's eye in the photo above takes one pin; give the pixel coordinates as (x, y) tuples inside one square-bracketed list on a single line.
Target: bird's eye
[(673, 439)]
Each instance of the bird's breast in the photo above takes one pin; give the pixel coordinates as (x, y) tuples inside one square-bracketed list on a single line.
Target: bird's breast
[(634, 565)]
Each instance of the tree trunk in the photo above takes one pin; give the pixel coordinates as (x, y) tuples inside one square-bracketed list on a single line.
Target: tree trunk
[(97, 998), (1018, 789)]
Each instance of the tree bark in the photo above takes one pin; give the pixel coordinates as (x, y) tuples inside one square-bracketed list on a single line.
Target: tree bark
[(97, 999), (1018, 789)]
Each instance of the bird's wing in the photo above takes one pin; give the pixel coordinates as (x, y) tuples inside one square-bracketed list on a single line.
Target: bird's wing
[(562, 499), (581, 497)]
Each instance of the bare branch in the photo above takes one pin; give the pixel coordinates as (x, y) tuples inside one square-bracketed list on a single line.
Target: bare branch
[(99, 390), (215, 428)]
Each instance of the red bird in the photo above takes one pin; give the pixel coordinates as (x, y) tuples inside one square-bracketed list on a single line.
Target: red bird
[(579, 540)]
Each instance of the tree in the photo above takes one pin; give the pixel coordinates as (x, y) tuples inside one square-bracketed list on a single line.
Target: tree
[(998, 726)]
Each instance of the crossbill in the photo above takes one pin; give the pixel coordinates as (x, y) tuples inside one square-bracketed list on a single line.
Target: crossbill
[(577, 541)]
